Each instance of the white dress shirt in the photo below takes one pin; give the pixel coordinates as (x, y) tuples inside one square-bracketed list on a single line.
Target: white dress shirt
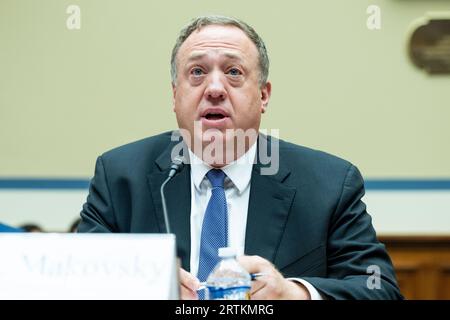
[(237, 191)]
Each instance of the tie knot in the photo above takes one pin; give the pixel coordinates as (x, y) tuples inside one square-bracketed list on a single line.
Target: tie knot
[(216, 177)]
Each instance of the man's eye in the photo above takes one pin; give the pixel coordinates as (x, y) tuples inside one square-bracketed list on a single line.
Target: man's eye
[(234, 72), (197, 72)]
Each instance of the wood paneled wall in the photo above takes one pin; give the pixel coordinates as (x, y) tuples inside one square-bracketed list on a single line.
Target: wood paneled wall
[(422, 265)]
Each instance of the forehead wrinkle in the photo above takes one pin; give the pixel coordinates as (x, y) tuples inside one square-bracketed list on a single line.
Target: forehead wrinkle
[(197, 55), (217, 43)]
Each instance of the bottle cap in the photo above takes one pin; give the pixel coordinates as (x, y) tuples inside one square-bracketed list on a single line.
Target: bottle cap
[(227, 252)]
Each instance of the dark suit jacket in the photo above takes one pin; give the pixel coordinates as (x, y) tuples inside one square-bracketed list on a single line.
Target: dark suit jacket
[(308, 219)]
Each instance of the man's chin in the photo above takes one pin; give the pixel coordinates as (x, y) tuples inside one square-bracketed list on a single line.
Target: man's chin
[(213, 136), (220, 147)]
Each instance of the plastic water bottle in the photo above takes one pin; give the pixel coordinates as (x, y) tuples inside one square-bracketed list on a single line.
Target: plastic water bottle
[(228, 280)]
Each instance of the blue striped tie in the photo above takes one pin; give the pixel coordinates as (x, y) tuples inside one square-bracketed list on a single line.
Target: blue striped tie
[(215, 226)]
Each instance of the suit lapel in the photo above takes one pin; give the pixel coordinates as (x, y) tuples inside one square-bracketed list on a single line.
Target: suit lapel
[(178, 200), (269, 205)]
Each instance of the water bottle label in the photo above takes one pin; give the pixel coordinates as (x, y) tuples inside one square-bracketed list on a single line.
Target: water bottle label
[(233, 293)]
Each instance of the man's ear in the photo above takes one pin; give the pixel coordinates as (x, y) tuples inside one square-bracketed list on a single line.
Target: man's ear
[(174, 92), (266, 91)]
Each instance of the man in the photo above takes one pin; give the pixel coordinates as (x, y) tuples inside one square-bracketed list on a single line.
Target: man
[(302, 225)]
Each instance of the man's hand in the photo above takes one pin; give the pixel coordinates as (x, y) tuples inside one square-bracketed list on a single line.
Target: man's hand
[(188, 285), (272, 285)]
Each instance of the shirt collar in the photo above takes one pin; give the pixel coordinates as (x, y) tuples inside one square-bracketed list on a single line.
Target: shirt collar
[(238, 171)]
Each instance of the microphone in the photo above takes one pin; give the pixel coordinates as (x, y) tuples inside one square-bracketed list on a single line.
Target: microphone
[(175, 167)]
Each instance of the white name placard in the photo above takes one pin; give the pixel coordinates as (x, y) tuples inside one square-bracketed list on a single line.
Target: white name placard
[(88, 266)]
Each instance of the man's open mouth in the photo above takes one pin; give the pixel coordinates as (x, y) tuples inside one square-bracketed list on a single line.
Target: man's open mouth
[(214, 116)]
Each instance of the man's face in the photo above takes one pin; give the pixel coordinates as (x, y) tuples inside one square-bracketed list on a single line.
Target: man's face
[(218, 83)]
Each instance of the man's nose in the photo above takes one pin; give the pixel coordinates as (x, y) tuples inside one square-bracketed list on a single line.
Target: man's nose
[(215, 89)]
